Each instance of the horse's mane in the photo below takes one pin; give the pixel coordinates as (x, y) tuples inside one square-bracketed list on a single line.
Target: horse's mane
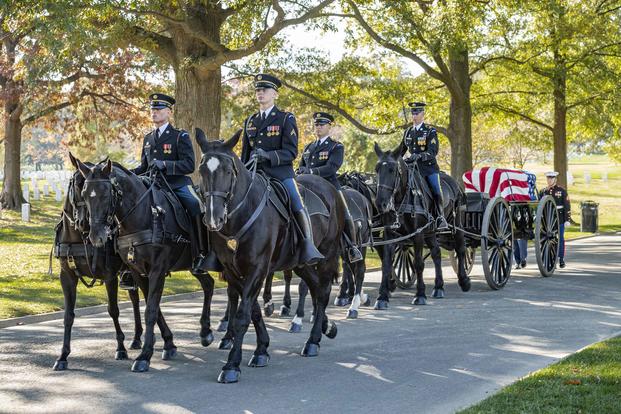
[(122, 168)]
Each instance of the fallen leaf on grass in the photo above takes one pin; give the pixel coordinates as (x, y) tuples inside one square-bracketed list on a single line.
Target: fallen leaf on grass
[(573, 382)]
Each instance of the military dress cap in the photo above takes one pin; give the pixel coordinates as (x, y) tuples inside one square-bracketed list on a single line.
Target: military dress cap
[(161, 101), (417, 107), (551, 174), (322, 118), (263, 80)]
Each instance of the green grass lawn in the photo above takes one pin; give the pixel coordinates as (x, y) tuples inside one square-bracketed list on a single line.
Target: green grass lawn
[(586, 382), (25, 286)]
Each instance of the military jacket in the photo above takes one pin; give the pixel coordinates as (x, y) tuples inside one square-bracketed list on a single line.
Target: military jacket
[(324, 159), (278, 135), (174, 147), (561, 198), (423, 141)]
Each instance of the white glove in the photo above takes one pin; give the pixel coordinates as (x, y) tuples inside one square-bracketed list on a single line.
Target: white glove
[(567, 224)]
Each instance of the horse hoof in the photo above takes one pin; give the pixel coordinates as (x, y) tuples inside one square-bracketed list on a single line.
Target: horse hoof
[(352, 314), (136, 344), (207, 340), (332, 330), (438, 293), (258, 361), (295, 327), (285, 311), (141, 365), (229, 376), (225, 343), (464, 284), (367, 302), (60, 365), (168, 354), (268, 310), (420, 300), (223, 326), (340, 302), (120, 355), (381, 304), (310, 350)]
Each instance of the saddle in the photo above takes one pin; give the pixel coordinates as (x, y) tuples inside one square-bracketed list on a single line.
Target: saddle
[(170, 221), (279, 198)]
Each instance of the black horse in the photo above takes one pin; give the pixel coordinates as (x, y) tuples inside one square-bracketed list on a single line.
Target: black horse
[(252, 239), (366, 184), (402, 195), (153, 240), (353, 273), (79, 260)]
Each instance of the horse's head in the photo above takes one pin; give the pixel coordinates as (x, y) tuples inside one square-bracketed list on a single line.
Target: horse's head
[(219, 171), (100, 197), (391, 170), (75, 198)]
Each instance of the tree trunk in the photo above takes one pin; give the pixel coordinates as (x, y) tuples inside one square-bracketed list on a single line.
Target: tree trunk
[(460, 114), (560, 127), (11, 197), (198, 96)]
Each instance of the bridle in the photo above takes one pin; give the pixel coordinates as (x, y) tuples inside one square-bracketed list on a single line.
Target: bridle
[(115, 196), (227, 195), (395, 187)]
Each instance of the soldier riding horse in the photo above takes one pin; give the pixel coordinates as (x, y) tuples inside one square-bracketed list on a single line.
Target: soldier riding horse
[(402, 193), (253, 237)]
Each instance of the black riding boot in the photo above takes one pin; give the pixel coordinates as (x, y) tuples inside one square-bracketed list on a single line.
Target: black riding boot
[(309, 254), (353, 253), (440, 219), (204, 259), (126, 280)]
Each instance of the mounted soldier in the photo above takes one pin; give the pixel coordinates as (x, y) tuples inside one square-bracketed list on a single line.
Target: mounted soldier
[(270, 137), (170, 151), (324, 157), (421, 141)]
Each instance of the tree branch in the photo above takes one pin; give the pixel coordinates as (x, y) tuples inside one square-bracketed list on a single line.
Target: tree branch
[(396, 48), (329, 105), (160, 45), (523, 116), (262, 39)]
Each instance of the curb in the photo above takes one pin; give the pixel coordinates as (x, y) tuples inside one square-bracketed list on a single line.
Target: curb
[(91, 310)]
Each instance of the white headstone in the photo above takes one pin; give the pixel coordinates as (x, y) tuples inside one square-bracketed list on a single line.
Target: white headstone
[(587, 177), (59, 195), (33, 181), (36, 193), (570, 178), (46, 190), (25, 212), (605, 176), (26, 193)]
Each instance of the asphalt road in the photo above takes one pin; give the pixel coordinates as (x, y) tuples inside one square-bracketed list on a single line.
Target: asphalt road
[(431, 359)]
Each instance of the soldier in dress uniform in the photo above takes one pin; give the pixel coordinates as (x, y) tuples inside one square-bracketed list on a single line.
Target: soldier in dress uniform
[(422, 143), (170, 150), (324, 157), (271, 138), (564, 210)]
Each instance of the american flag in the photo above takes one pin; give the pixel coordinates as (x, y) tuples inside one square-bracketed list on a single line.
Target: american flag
[(512, 185)]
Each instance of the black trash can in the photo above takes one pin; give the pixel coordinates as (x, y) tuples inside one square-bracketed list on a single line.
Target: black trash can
[(589, 210)]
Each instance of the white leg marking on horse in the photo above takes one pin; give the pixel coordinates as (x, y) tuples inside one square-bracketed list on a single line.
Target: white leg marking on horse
[(355, 303), (212, 164), (297, 320)]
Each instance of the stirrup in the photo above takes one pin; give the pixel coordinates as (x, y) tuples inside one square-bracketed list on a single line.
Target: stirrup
[(441, 223), (353, 254), (126, 281)]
